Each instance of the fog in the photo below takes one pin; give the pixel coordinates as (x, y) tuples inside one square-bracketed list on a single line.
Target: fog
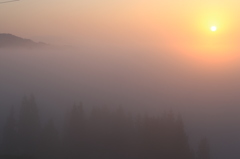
[(141, 81)]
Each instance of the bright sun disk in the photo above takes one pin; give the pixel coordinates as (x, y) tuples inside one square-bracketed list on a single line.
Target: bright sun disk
[(213, 28)]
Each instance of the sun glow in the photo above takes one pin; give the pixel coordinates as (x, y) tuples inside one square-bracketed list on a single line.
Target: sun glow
[(213, 28)]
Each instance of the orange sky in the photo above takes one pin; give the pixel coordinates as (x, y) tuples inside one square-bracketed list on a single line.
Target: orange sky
[(181, 26)]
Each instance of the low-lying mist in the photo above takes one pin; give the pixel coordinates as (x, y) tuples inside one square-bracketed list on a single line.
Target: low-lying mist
[(141, 81)]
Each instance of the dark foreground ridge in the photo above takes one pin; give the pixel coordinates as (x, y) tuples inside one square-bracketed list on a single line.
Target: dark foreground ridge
[(12, 41)]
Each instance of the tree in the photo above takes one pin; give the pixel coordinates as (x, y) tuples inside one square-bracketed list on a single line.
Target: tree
[(29, 126), (182, 148), (49, 141), (74, 133), (10, 134), (204, 149)]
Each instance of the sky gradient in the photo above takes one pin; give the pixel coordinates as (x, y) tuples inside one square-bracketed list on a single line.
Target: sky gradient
[(158, 22), (177, 26)]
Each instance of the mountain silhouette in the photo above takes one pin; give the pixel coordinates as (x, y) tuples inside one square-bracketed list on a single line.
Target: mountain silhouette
[(12, 41)]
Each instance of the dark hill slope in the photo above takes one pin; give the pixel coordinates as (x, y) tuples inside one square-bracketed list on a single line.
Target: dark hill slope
[(12, 41)]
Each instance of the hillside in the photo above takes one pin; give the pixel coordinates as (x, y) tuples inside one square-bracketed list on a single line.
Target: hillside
[(12, 41)]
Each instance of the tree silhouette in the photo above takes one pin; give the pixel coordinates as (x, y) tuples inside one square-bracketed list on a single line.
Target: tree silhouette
[(74, 131), (10, 133), (182, 149), (104, 134), (28, 126), (49, 145), (204, 149)]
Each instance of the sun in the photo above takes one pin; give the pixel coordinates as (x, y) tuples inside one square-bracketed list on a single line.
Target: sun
[(213, 28)]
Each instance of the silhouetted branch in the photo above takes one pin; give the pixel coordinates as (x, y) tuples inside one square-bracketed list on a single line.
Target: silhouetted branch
[(9, 1)]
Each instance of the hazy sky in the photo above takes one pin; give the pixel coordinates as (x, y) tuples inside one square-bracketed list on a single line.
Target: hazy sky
[(179, 26), (120, 22)]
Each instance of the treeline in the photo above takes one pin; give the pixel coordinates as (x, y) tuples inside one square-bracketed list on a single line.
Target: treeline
[(102, 134)]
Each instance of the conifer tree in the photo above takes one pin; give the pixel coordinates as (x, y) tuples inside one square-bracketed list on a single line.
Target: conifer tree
[(204, 149), (74, 133), (28, 126), (10, 133), (182, 148), (49, 141)]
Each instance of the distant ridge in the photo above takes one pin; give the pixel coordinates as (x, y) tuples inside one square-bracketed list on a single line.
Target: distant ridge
[(12, 41)]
